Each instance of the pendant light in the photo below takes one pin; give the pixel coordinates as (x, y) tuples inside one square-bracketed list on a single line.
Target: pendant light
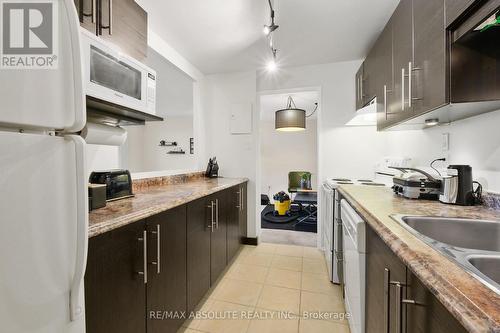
[(290, 119)]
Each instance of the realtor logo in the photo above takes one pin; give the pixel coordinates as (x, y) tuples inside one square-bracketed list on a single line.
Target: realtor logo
[(29, 34)]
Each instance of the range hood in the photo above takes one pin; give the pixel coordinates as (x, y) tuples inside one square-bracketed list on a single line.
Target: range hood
[(107, 113), (366, 116)]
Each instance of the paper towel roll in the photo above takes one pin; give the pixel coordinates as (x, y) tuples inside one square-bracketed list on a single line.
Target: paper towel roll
[(98, 134)]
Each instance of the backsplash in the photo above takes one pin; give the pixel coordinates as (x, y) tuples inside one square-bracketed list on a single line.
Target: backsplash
[(491, 200), (144, 184)]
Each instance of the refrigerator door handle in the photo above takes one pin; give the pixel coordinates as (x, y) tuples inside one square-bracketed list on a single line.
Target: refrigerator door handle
[(78, 70), (76, 297)]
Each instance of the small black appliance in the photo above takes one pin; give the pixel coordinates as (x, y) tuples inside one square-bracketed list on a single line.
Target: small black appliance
[(212, 168), (118, 183), (458, 187)]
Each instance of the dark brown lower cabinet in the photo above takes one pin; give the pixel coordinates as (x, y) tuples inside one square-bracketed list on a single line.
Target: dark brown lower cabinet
[(199, 228), (383, 271), (243, 219), (142, 277), (166, 287), (235, 206), (114, 291), (396, 301), (218, 235), (427, 314)]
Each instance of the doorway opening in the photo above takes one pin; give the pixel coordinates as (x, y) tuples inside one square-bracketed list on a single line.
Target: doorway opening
[(288, 168)]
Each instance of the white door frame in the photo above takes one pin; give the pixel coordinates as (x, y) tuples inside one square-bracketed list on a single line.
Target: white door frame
[(258, 180)]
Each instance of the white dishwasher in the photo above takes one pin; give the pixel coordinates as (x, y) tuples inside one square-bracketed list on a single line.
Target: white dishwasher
[(354, 240)]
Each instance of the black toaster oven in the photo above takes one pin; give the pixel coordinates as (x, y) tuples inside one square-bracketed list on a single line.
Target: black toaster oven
[(118, 183)]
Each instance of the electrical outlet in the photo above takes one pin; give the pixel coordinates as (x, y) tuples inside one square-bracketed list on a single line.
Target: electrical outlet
[(445, 143)]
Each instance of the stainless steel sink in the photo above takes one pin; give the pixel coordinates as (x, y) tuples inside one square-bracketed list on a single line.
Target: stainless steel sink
[(465, 233), (488, 265), (473, 244)]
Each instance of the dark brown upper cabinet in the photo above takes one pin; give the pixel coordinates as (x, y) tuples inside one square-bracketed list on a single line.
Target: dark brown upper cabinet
[(359, 88), (455, 8), (402, 58), (414, 57), (370, 72), (384, 77), (121, 22), (428, 72)]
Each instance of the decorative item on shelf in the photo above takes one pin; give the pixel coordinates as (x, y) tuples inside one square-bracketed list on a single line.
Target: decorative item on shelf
[(179, 151), (164, 143)]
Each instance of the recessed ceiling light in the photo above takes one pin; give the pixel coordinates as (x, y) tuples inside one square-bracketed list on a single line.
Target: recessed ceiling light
[(431, 122)]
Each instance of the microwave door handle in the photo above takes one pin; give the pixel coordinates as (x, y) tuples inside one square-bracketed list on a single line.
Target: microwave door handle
[(76, 297)]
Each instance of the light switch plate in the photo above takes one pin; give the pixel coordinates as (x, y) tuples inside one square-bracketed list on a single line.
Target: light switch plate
[(445, 143)]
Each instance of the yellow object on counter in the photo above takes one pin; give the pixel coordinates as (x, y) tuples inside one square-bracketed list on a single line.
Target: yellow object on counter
[(282, 207)]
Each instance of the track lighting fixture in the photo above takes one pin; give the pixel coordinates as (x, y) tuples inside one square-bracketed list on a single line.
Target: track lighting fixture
[(268, 29)]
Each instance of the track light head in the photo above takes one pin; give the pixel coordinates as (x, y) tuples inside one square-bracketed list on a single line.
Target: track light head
[(270, 28)]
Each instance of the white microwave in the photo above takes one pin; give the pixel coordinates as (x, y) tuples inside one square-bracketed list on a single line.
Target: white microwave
[(113, 77)]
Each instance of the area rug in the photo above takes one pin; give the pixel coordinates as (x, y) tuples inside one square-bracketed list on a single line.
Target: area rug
[(269, 221)]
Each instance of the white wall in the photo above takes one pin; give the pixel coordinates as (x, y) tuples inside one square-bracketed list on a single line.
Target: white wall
[(282, 152), (353, 152), (145, 154), (102, 158), (236, 154)]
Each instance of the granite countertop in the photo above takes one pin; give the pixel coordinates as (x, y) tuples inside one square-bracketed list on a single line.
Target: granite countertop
[(151, 200), (476, 306)]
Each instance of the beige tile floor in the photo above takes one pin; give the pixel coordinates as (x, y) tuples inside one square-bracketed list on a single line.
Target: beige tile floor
[(272, 288)]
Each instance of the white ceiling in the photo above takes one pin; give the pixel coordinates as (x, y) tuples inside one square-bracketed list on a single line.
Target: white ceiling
[(226, 35), (269, 104)]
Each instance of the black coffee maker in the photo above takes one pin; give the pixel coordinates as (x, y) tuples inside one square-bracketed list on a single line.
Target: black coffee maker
[(457, 187)]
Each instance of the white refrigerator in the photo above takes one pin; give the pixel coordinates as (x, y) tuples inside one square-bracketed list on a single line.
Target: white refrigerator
[(43, 190)]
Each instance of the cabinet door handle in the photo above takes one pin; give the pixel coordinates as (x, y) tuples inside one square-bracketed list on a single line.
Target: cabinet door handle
[(387, 300), (399, 313), (410, 69), (158, 249), (385, 101), (239, 200), (242, 199), (399, 306), (98, 14), (94, 14), (110, 17), (108, 27), (217, 213), (211, 206), (144, 241), (403, 89)]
